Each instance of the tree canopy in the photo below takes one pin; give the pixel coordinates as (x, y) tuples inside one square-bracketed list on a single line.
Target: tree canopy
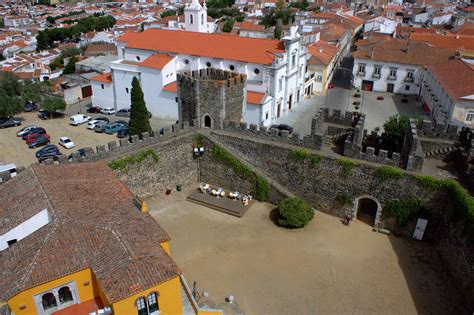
[(228, 25), (53, 104), (294, 212), (139, 121), (70, 66), (394, 133), (280, 12)]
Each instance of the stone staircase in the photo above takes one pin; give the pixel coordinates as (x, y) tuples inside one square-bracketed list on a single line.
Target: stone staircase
[(443, 151)]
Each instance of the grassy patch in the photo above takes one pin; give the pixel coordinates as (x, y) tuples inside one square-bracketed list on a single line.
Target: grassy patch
[(347, 165), (402, 211), (123, 163), (302, 155), (388, 172), (343, 198)]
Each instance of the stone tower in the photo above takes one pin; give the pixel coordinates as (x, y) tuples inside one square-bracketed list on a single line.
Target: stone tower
[(208, 97), (195, 17)]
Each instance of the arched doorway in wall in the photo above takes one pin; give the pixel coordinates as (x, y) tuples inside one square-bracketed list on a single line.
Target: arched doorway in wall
[(207, 121), (368, 210)]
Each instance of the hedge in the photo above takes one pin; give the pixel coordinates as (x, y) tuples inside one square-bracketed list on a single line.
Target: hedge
[(294, 212), (388, 172), (123, 163)]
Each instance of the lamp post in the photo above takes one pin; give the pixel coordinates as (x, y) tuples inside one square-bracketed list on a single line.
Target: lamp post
[(80, 105), (198, 152)]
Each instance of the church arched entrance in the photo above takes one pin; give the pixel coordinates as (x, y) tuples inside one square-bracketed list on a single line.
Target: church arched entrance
[(207, 121)]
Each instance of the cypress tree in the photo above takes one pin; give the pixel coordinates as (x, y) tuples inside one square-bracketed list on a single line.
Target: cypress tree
[(139, 121)]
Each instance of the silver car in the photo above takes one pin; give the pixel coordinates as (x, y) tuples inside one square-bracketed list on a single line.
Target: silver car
[(100, 126)]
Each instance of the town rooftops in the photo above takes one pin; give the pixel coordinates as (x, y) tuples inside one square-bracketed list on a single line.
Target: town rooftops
[(445, 41), (321, 53), (404, 52), (103, 78), (253, 50), (255, 98), (456, 76), (93, 223), (156, 61)]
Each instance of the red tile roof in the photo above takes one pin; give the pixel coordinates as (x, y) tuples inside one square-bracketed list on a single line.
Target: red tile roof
[(456, 76), (255, 50), (104, 78), (156, 61), (321, 53), (171, 87), (255, 98), (445, 41), (82, 308)]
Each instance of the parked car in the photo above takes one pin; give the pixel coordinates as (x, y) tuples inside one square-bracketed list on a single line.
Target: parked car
[(47, 149), (37, 130), (94, 109), (123, 133), (25, 131), (100, 126), (113, 128), (46, 114), (123, 122), (103, 119), (283, 127), (80, 152), (38, 142), (76, 120), (9, 168), (91, 124), (30, 106), (331, 86), (49, 155), (108, 110), (9, 122), (33, 136), (66, 142), (124, 112)]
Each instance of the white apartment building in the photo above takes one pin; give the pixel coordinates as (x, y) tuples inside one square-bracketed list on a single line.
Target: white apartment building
[(16, 20), (394, 66), (274, 68), (447, 93)]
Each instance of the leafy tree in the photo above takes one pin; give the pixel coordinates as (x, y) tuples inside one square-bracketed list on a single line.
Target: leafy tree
[(57, 63), (1, 57), (302, 5), (71, 66), (10, 95), (278, 30), (394, 133), (53, 104), (168, 13), (71, 51), (280, 12), (139, 121), (2, 23), (228, 25), (294, 212)]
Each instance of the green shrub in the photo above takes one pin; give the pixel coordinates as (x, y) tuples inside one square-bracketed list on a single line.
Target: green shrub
[(344, 198), (294, 212), (299, 154), (198, 139), (123, 163), (261, 188), (388, 172), (347, 165), (315, 160), (402, 211), (428, 181)]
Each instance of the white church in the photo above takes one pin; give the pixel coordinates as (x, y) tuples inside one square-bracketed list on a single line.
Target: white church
[(274, 68)]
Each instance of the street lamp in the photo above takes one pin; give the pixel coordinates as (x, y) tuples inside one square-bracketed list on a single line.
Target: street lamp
[(80, 105), (198, 153)]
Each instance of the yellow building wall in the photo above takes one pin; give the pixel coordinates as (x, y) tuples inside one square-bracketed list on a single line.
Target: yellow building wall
[(323, 88), (169, 299), (86, 291), (166, 247)]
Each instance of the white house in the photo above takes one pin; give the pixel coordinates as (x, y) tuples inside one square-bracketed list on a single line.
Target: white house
[(381, 24), (394, 66), (274, 68), (448, 92)]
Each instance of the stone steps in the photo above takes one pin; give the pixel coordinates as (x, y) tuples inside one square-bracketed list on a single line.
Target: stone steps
[(440, 151)]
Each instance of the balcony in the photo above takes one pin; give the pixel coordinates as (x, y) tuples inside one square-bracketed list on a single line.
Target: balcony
[(361, 73), (391, 77), (376, 75), (409, 80)]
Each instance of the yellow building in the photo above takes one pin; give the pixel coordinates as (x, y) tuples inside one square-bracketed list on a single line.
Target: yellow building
[(73, 241)]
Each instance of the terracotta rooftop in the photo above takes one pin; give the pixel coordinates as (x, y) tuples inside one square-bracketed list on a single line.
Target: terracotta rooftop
[(456, 76), (321, 53), (104, 78), (445, 41), (255, 50), (171, 87), (400, 51), (255, 98), (94, 223), (156, 61)]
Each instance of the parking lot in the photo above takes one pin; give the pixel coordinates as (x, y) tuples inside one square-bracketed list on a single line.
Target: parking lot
[(14, 149)]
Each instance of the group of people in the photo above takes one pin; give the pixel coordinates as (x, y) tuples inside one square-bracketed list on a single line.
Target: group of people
[(219, 192)]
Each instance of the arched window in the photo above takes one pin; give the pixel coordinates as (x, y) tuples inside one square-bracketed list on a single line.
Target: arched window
[(153, 306), (48, 300), (208, 64), (141, 306), (191, 18), (232, 67), (186, 61), (65, 295), (256, 71), (202, 18)]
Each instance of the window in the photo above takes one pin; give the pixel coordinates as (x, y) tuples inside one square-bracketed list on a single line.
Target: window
[(293, 60), (65, 295), (191, 19), (256, 71), (137, 58), (362, 68), (186, 61), (470, 115), (232, 67), (410, 75), (280, 84), (102, 86), (407, 88), (266, 116), (126, 90), (202, 18), (319, 78), (153, 306), (141, 306), (11, 242), (377, 69), (48, 301), (208, 64), (393, 72)]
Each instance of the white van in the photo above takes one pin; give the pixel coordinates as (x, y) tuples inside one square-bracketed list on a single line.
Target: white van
[(7, 170), (78, 119)]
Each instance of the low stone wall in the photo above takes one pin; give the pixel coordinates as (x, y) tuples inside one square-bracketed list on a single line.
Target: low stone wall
[(357, 152), (439, 131), (436, 148)]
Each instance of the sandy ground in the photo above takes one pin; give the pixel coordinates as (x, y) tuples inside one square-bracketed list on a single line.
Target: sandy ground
[(14, 149), (324, 268)]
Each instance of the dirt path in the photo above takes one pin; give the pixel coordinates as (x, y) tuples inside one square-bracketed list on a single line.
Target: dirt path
[(325, 268)]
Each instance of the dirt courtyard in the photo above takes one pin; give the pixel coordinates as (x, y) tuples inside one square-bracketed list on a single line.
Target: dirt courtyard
[(324, 268)]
